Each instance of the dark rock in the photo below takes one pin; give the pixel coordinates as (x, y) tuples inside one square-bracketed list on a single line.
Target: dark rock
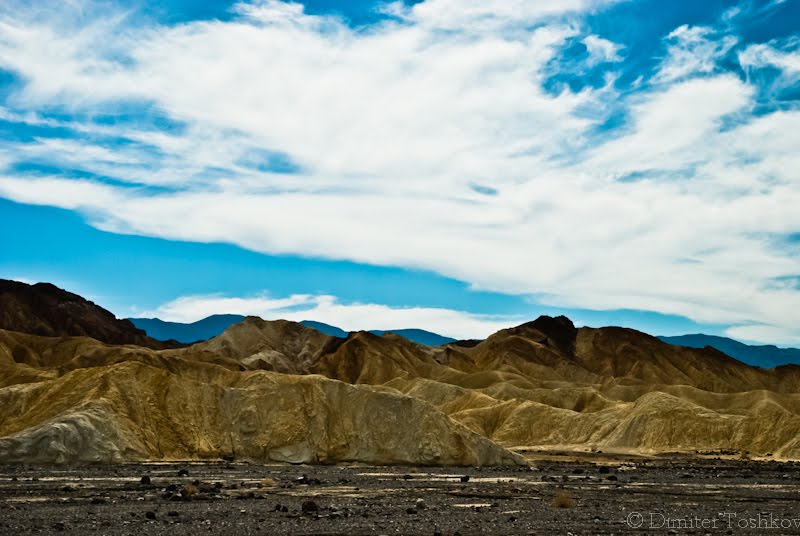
[(172, 513), (308, 481), (309, 506), (183, 472), (59, 525), (44, 309), (98, 500), (145, 480), (150, 514), (465, 478), (604, 470)]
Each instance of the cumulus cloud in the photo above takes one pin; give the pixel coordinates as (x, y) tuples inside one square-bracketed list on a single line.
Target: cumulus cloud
[(330, 310), (388, 129)]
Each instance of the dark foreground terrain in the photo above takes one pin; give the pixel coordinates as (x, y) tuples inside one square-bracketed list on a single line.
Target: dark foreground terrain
[(556, 496)]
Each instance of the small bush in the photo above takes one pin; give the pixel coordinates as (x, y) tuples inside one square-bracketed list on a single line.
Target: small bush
[(563, 499)]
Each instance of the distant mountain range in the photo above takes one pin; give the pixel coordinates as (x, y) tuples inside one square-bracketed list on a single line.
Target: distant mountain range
[(766, 356), (187, 333), (214, 325)]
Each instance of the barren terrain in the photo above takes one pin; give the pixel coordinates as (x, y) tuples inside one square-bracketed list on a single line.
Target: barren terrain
[(557, 495)]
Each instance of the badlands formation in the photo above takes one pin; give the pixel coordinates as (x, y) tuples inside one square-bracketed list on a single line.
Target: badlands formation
[(280, 391)]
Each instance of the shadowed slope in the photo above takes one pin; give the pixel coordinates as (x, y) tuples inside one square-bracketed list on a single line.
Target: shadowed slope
[(44, 309)]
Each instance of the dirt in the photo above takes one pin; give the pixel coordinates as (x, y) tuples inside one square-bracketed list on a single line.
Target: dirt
[(600, 496)]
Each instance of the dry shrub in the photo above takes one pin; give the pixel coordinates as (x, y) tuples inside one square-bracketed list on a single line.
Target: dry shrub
[(563, 499)]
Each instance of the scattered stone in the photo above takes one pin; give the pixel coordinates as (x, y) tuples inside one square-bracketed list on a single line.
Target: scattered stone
[(309, 506), (59, 525), (613, 478), (98, 500), (604, 470), (420, 504), (190, 490), (183, 472), (465, 478), (150, 514), (145, 480)]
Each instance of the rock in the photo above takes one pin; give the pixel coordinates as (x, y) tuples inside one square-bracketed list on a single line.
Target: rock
[(604, 470), (464, 478), (420, 504), (183, 472), (59, 525), (172, 513), (150, 514), (309, 506), (97, 500), (145, 480)]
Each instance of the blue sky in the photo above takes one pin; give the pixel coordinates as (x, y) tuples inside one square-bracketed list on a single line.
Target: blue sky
[(456, 166)]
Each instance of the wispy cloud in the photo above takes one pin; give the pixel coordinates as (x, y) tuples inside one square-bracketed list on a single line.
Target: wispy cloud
[(330, 310), (385, 132)]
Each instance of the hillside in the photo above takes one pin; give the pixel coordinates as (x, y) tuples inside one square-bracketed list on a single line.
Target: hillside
[(44, 309), (282, 391)]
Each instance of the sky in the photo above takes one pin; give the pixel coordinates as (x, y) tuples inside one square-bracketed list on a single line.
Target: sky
[(457, 166)]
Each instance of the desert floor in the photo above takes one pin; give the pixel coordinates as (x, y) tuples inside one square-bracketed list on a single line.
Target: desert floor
[(559, 494)]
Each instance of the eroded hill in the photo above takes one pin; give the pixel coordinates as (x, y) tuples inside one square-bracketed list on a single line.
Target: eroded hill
[(281, 391)]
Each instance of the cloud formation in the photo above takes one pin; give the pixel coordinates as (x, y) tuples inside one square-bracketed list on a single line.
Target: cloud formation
[(427, 140), (330, 310)]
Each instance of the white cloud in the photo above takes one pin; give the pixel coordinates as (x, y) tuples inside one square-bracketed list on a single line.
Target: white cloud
[(759, 333), (328, 309), (601, 50), (693, 50), (680, 212), (783, 56)]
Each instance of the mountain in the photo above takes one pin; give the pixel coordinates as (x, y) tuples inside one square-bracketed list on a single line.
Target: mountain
[(327, 329), (187, 333), (766, 356), (214, 325), (44, 309), (77, 400), (419, 336), (280, 391)]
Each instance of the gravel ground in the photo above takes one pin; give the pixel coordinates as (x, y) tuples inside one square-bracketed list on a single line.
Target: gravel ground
[(555, 496)]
